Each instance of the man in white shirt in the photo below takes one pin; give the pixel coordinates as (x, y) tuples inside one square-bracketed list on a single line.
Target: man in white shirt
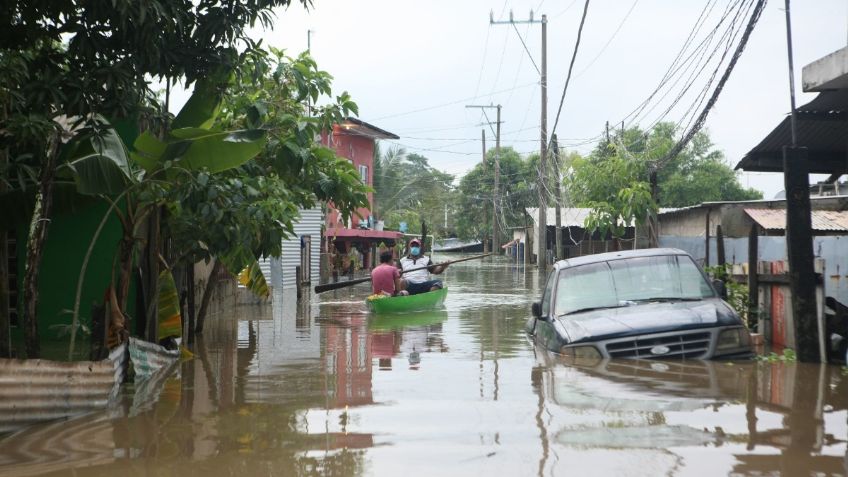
[(419, 281)]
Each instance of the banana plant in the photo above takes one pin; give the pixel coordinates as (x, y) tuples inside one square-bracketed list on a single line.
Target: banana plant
[(105, 167)]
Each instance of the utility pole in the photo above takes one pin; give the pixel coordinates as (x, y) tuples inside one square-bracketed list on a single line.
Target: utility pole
[(495, 193), (558, 251), (483, 141), (543, 187), (799, 240), (541, 240), (495, 248)]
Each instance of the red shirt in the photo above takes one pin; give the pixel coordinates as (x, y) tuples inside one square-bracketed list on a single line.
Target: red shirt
[(383, 278)]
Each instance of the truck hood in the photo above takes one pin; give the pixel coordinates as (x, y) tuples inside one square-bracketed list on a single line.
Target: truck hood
[(646, 318)]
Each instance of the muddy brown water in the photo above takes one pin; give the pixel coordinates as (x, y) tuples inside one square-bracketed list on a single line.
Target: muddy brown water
[(322, 388)]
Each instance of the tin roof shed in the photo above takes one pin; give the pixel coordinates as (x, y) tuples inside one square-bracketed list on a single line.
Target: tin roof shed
[(827, 221)]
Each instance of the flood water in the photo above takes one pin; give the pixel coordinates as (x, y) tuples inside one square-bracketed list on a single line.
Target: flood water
[(323, 388)]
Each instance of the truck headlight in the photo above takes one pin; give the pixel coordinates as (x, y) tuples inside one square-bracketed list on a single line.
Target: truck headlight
[(733, 338), (580, 352)]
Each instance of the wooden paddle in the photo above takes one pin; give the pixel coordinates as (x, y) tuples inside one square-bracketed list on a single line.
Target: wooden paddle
[(337, 285)]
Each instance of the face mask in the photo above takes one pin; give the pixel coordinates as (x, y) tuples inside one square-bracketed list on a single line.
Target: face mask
[(415, 250)]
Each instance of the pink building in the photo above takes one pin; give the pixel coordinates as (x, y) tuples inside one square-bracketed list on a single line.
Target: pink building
[(355, 139)]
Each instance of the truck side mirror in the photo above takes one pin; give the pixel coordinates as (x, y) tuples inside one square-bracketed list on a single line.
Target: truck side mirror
[(537, 309), (721, 288)]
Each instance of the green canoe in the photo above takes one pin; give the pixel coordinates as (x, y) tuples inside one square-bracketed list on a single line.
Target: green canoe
[(410, 303)]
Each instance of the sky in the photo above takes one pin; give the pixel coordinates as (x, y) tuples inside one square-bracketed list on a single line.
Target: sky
[(412, 67)]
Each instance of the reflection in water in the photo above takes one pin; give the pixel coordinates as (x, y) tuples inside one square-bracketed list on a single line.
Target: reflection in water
[(321, 387), (773, 419)]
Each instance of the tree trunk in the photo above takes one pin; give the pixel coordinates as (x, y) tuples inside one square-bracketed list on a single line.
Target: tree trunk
[(5, 318), (207, 296), (152, 276), (35, 248), (190, 305), (125, 269), (5, 322)]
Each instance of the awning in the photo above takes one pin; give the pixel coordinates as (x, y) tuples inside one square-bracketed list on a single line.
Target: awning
[(822, 129), (823, 220), (363, 234)]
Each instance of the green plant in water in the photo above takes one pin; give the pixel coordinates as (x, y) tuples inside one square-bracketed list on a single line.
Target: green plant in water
[(788, 356), (737, 295)]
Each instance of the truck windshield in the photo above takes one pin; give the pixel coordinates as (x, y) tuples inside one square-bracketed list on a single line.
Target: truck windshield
[(630, 281)]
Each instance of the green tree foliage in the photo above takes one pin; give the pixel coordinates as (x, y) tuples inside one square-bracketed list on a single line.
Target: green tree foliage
[(408, 189), (517, 191), (614, 179), (64, 66), (243, 213)]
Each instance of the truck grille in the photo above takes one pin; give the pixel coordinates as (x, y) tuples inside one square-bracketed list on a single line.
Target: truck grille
[(680, 345)]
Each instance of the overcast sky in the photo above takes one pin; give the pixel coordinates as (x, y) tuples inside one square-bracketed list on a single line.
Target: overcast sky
[(413, 66)]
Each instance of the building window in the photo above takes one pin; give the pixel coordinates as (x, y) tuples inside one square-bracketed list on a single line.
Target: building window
[(363, 174)]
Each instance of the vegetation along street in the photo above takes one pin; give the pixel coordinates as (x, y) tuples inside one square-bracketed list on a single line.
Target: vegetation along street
[(530, 237)]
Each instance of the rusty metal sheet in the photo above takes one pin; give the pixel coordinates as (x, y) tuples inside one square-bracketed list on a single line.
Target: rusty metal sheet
[(822, 220), (34, 390)]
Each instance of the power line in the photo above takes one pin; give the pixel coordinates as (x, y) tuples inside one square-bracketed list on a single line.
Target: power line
[(557, 15), (611, 38), (727, 38), (699, 22), (702, 117), (517, 70), (483, 62), (451, 103), (674, 68), (571, 65), (526, 49)]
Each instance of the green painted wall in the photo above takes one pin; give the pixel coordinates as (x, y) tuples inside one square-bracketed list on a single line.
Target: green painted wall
[(68, 239)]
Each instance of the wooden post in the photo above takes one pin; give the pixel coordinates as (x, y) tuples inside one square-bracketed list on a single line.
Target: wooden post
[(558, 253), (5, 318), (799, 251), (720, 246), (753, 276), (707, 241)]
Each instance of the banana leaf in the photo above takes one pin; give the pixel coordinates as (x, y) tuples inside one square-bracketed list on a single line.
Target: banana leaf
[(170, 320), (202, 107), (253, 279)]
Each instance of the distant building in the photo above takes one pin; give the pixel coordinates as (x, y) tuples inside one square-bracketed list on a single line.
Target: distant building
[(354, 140), (300, 263), (576, 240)]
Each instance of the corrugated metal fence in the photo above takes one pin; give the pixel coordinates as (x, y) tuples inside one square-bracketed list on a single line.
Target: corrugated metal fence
[(33, 390), (308, 225)]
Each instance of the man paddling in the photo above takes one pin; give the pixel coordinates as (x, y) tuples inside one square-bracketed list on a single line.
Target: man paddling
[(418, 281)]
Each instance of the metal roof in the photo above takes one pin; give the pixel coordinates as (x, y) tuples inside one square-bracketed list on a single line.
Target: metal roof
[(570, 216), (822, 129), (823, 220), (358, 126), (619, 255)]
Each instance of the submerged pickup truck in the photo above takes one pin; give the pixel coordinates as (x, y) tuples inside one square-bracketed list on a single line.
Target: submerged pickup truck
[(652, 303)]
